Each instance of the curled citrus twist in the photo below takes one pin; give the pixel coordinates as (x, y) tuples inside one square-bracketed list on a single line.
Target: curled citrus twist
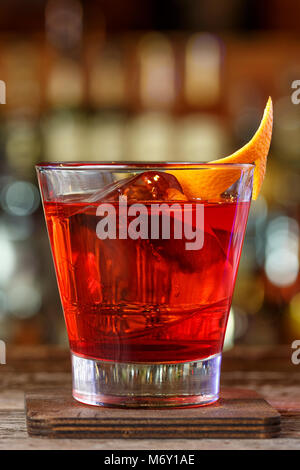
[(211, 183)]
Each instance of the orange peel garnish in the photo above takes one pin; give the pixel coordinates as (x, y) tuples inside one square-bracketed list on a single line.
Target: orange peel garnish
[(211, 183)]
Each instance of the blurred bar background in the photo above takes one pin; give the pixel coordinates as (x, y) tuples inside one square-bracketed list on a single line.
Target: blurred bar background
[(174, 80)]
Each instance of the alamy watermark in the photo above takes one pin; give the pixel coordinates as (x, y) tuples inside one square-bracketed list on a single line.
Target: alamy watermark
[(2, 92), (295, 358), (152, 221), (2, 352), (295, 96)]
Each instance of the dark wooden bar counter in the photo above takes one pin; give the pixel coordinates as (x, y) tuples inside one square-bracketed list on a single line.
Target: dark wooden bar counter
[(269, 371)]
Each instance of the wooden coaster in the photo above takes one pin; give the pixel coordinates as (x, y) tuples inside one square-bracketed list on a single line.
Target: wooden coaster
[(238, 414)]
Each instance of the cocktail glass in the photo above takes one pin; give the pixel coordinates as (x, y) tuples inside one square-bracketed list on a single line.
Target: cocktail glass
[(145, 275)]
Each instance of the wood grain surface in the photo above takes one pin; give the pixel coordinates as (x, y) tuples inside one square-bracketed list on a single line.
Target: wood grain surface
[(269, 371), (238, 414)]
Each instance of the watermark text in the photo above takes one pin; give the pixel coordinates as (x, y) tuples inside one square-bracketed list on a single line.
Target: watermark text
[(153, 221), (295, 358), (2, 352), (295, 97), (2, 92)]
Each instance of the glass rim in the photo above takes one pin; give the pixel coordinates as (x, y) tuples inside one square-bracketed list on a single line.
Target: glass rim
[(132, 165)]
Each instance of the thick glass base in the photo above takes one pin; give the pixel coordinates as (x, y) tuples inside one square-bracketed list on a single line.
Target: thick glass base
[(146, 385)]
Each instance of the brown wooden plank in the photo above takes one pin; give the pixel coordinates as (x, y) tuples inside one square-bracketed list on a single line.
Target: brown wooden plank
[(238, 414), (267, 370)]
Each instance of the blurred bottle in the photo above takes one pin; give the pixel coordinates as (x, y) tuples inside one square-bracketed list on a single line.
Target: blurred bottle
[(22, 72), (107, 77), (65, 84), (156, 71), (105, 137), (150, 137), (202, 80)]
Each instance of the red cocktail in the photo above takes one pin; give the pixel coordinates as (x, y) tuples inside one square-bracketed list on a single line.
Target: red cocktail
[(146, 277), (145, 300)]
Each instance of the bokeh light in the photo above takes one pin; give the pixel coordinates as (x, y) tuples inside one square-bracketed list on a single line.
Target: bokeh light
[(8, 260), (202, 70), (16, 228), (144, 81), (282, 251), (3, 303), (20, 198), (23, 297)]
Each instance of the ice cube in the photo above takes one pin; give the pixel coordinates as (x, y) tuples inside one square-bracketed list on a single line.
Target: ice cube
[(147, 186)]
